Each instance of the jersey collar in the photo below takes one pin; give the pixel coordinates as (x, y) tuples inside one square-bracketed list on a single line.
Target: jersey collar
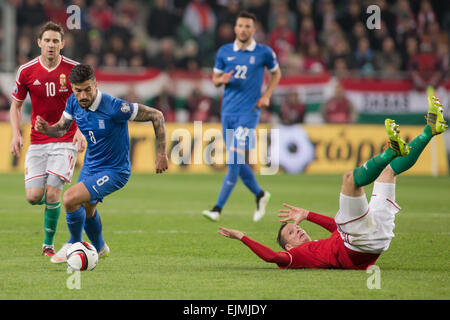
[(250, 47), (96, 103), (50, 69)]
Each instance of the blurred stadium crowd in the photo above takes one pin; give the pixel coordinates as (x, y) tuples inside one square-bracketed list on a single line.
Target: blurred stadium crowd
[(308, 36)]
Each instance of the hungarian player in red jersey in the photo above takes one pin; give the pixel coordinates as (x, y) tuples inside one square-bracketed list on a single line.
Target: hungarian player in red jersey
[(361, 230), (49, 162)]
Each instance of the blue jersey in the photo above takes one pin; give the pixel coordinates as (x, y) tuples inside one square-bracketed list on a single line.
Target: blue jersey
[(244, 88), (105, 126)]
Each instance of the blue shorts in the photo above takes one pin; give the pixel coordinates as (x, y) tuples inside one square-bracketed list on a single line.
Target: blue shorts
[(239, 131), (103, 183)]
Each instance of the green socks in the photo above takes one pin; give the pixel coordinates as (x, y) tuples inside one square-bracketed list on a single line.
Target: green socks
[(51, 217), (417, 145), (370, 170)]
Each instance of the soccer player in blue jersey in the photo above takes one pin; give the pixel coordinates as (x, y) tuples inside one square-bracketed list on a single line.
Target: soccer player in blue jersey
[(103, 120), (240, 66)]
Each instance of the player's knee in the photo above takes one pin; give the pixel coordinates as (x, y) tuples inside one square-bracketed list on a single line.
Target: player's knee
[(34, 197), (347, 179), (69, 200), (52, 195)]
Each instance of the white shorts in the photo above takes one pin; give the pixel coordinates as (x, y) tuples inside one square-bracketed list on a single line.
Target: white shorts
[(368, 227), (55, 160)]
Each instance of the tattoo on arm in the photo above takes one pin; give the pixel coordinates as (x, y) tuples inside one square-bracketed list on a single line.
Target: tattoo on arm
[(156, 117), (60, 128)]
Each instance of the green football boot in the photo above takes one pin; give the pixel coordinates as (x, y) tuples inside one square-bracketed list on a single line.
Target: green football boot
[(395, 142), (435, 116)]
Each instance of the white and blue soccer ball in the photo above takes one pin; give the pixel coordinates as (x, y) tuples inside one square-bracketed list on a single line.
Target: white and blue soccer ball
[(82, 256)]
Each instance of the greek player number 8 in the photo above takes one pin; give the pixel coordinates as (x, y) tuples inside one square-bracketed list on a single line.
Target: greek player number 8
[(92, 137), (102, 180)]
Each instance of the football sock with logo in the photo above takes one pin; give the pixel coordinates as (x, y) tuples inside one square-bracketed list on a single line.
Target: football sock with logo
[(417, 145), (51, 217), (370, 170), (248, 178), (228, 184), (75, 223), (93, 229)]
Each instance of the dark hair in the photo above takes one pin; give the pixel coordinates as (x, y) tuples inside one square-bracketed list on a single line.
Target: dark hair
[(246, 14), (280, 239), (81, 73), (51, 26)]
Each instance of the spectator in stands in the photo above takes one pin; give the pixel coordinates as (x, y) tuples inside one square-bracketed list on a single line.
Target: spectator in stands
[(101, 15), (281, 9), (117, 47), (31, 13), (55, 10), (339, 109), (229, 13), (359, 31), (165, 58), (425, 67), (404, 19), (388, 56), (341, 68), (136, 54), (282, 40), (225, 34), (351, 16), (189, 60), (199, 21), (313, 62), (199, 105), (165, 102), (408, 51), (425, 16), (292, 111), (340, 51), (364, 57), (261, 9), (161, 22), (307, 34)]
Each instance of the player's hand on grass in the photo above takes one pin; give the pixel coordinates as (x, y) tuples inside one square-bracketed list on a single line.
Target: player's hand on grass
[(79, 141), (162, 163), (294, 214), (230, 233), (16, 145)]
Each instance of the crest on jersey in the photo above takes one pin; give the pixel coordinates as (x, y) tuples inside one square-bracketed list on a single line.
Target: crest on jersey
[(63, 83), (125, 107), (252, 60)]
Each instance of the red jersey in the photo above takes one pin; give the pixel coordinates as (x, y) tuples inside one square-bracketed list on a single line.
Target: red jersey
[(330, 253), (49, 90)]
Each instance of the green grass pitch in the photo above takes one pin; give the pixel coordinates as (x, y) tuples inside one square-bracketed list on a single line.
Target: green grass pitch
[(162, 248)]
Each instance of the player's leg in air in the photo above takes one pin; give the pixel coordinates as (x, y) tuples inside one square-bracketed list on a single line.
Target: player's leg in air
[(354, 217)]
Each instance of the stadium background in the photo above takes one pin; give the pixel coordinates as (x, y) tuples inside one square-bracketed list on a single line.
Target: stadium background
[(161, 53)]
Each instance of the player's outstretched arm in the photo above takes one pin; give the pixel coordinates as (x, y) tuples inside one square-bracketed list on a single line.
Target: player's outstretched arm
[(146, 113), (293, 214), (55, 131)]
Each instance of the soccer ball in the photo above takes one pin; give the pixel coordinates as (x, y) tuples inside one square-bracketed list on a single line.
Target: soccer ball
[(82, 256)]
